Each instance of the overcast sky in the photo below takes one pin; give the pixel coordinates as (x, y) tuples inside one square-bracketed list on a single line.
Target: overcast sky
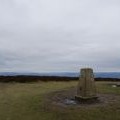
[(59, 35)]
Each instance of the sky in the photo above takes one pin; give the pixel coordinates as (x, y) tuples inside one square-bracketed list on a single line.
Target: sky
[(59, 35)]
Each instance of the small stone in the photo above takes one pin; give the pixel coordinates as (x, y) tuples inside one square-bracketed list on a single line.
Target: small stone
[(114, 86), (70, 102)]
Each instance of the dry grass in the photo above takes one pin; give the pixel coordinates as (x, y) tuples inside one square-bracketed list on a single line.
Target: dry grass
[(25, 101)]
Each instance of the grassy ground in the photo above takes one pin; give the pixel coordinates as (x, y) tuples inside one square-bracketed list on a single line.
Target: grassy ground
[(20, 101)]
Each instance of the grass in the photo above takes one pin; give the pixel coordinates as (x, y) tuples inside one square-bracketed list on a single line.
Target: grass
[(25, 101), (106, 87)]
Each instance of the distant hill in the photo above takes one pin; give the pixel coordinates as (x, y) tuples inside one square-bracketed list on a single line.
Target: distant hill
[(64, 74)]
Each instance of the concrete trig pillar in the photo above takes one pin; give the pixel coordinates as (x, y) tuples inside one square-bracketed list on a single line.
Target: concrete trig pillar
[(86, 86)]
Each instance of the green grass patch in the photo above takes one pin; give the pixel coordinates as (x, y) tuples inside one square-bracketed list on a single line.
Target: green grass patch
[(26, 101)]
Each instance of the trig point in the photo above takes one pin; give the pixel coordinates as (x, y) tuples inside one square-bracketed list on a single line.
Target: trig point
[(86, 87)]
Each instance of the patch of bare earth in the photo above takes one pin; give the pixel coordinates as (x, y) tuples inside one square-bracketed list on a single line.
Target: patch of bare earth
[(59, 98)]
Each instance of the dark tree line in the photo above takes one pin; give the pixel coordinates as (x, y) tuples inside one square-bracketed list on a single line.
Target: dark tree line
[(25, 79)]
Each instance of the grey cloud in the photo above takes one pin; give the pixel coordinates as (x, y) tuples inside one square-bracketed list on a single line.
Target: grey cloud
[(59, 35)]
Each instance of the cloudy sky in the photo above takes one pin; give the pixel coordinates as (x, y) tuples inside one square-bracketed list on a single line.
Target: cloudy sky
[(59, 35)]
